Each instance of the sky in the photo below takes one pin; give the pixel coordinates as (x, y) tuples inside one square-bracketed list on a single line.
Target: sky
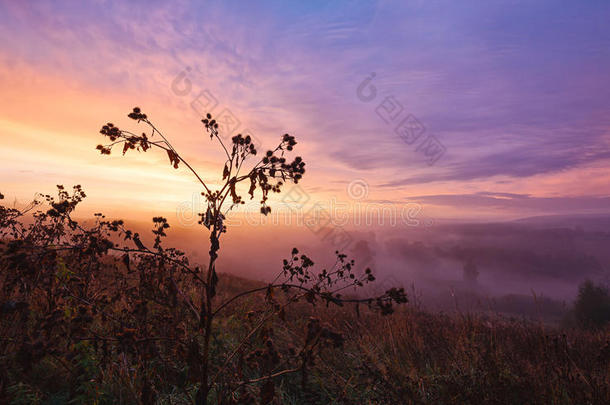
[(471, 110)]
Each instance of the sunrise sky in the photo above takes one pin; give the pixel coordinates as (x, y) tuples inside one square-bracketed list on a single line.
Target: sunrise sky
[(517, 93)]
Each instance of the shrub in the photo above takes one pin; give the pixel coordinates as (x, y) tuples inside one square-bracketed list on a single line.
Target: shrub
[(592, 306)]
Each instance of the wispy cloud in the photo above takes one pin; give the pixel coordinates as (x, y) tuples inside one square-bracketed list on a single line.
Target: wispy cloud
[(520, 202), (514, 90)]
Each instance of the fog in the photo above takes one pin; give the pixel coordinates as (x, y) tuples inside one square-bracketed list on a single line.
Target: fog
[(531, 266)]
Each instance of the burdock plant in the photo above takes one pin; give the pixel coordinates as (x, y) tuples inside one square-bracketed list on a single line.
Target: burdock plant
[(269, 174)]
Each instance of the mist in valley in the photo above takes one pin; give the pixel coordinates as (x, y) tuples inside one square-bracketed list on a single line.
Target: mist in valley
[(530, 267)]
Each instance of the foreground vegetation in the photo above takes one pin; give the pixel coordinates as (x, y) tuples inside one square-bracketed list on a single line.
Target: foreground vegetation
[(98, 314), (411, 357), (86, 320)]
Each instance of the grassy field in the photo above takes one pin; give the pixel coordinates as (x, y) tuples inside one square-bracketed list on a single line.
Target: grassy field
[(408, 357), (423, 358)]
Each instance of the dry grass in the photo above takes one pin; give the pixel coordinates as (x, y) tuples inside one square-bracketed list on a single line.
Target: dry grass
[(422, 358)]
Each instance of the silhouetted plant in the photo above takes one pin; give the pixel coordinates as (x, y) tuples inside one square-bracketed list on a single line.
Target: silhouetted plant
[(103, 286), (92, 293), (269, 174)]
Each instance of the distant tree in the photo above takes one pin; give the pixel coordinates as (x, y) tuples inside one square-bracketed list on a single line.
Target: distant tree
[(592, 306), (471, 272)]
